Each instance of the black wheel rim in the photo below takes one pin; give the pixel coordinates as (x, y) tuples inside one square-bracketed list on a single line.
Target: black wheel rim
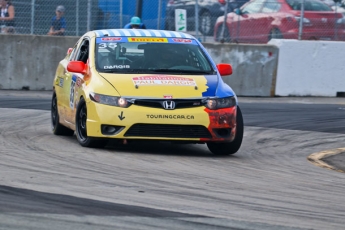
[(82, 123), (54, 112), (205, 23)]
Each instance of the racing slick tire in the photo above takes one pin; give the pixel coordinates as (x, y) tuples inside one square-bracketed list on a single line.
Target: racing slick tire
[(81, 129), (57, 128), (206, 23), (222, 149)]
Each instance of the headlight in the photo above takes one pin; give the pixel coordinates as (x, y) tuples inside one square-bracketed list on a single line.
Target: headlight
[(340, 20), (110, 100), (219, 103)]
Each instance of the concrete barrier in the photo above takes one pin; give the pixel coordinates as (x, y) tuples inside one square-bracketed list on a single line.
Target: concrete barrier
[(29, 62), (254, 67), (310, 68)]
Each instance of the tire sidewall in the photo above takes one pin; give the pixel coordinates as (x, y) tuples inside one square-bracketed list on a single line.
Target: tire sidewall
[(86, 141)]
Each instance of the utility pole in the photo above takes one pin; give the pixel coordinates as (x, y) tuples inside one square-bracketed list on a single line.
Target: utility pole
[(139, 8)]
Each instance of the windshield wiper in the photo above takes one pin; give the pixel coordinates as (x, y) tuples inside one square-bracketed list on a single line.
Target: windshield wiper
[(182, 71)]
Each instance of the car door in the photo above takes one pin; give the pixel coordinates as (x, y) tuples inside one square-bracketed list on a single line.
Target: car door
[(244, 25), (269, 14), (61, 88), (72, 80)]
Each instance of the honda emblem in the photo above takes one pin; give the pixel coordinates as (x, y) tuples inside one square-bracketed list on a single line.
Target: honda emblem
[(168, 104)]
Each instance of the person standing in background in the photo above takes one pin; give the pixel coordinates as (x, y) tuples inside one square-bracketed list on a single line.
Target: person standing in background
[(58, 25), (135, 24), (7, 16)]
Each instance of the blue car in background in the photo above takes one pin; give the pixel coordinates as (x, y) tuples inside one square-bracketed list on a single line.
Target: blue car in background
[(209, 11)]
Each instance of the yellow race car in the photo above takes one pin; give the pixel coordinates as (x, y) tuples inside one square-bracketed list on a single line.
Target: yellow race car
[(129, 85)]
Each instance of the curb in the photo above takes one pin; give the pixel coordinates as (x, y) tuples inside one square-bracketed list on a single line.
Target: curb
[(316, 158)]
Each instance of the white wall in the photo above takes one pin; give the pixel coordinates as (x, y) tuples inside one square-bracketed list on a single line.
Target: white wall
[(310, 68)]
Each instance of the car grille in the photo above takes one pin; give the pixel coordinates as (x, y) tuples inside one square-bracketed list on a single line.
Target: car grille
[(179, 104), (172, 131)]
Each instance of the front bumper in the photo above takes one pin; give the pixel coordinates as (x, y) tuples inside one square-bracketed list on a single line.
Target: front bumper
[(197, 124)]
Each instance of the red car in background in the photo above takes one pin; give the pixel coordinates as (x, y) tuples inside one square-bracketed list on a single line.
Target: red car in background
[(258, 21)]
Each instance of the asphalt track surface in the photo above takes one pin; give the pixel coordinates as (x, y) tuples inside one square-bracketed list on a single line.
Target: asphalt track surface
[(50, 182)]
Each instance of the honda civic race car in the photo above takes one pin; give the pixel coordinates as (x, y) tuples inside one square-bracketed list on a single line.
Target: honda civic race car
[(145, 85)]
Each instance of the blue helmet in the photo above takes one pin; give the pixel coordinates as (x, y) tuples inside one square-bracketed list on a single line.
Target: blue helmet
[(135, 21)]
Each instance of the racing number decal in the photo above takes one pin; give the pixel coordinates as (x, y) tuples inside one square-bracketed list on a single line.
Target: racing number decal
[(72, 92)]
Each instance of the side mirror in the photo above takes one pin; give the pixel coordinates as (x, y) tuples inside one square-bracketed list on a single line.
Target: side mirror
[(69, 50), (76, 67), (224, 69), (238, 11)]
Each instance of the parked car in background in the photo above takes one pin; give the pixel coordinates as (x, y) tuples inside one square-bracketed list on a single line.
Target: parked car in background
[(258, 21), (209, 11)]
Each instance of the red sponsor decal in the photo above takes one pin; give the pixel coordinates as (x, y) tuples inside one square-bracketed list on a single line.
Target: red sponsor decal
[(163, 77), (111, 39), (182, 40), (168, 96), (79, 82), (164, 80), (221, 119)]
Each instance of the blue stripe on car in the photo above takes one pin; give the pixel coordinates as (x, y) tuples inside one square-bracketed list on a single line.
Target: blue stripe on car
[(153, 33), (212, 83), (111, 33), (217, 87)]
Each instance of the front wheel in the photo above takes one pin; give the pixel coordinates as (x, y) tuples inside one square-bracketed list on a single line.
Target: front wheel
[(81, 129), (275, 34), (222, 149)]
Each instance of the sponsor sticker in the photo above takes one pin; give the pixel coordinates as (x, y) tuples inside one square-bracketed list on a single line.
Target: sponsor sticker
[(165, 116), (116, 67), (182, 40), (167, 96), (164, 80), (59, 81), (144, 39), (79, 82), (111, 39)]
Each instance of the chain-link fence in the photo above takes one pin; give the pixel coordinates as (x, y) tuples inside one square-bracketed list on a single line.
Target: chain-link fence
[(241, 21), (35, 16), (261, 20), (258, 21)]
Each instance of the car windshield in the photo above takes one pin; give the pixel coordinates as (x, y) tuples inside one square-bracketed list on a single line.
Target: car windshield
[(309, 5), (156, 55)]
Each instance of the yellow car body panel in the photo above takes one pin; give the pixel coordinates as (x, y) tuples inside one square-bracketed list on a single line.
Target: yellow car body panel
[(158, 86), (72, 87)]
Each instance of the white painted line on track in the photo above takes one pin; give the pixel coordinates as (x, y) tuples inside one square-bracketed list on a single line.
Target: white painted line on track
[(316, 158)]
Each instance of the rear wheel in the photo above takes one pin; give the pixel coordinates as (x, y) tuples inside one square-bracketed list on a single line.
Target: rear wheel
[(81, 129), (206, 25), (222, 149), (57, 128)]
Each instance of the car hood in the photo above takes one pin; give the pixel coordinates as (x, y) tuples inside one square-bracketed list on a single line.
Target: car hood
[(163, 86)]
